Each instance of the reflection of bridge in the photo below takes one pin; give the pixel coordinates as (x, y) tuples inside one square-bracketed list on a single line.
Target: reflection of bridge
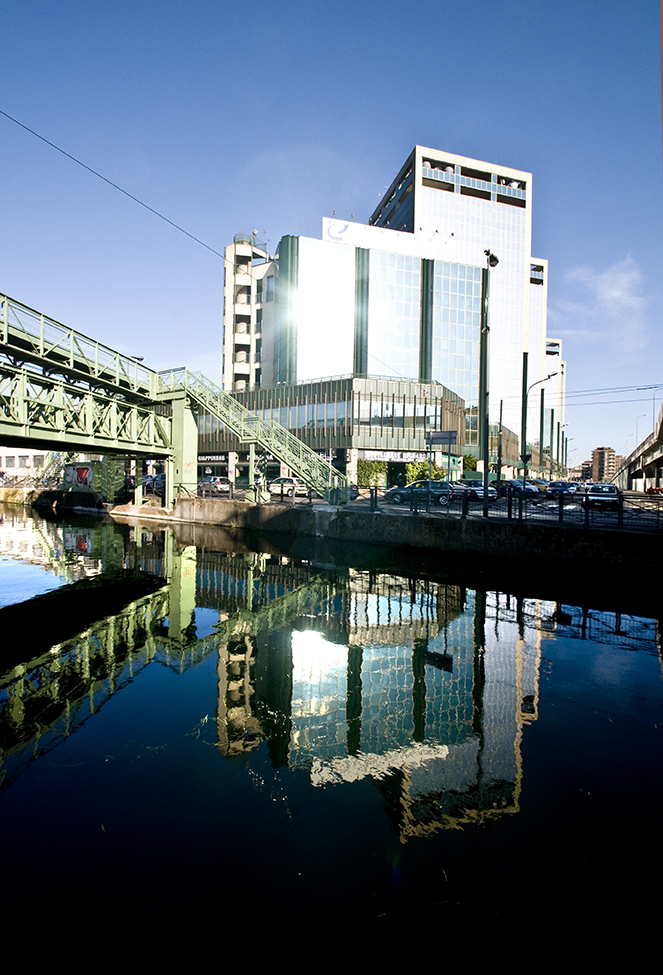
[(643, 468), (349, 674), (59, 388)]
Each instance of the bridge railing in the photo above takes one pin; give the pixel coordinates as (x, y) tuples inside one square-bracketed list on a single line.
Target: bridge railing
[(249, 428), (34, 337)]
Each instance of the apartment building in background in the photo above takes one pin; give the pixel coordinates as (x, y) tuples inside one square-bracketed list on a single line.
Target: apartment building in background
[(604, 464)]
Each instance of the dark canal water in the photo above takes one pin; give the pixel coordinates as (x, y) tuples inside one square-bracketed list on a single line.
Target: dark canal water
[(267, 737)]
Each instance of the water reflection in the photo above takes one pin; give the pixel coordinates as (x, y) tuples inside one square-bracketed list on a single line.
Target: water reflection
[(419, 689)]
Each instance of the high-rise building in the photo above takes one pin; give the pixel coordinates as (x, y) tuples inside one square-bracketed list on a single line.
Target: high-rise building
[(466, 207), (399, 298), (604, 464)]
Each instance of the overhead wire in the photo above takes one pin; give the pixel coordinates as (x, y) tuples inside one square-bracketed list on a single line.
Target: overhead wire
[(568, 395), (115, 186)]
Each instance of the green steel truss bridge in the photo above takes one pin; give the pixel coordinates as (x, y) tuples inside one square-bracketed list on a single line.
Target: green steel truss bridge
[(61, 390)]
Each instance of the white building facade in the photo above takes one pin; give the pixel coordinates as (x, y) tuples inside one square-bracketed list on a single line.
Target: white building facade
[(400, 297)]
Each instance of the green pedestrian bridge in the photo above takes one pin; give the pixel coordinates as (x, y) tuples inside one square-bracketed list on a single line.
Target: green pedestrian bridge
[(61, 390)]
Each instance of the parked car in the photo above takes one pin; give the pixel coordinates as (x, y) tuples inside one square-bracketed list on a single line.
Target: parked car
[(154, 484), (555, 488), (475, 490), (602, 496), (441, 492), (530, 491), (214, 485), (158, 485), (287, 486)]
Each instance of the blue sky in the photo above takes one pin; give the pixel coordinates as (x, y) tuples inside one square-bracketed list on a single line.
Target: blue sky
[(226, 116)]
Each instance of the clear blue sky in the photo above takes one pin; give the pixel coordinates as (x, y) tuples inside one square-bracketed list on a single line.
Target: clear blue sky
[(227, 116)]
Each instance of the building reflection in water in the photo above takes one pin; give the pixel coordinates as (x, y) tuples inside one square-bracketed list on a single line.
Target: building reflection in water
[(423, 688)]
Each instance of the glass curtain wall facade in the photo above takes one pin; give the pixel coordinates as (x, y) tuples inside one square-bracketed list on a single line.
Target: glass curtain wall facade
[(463, 207), (385, 314), (400, 298), (347, 412)]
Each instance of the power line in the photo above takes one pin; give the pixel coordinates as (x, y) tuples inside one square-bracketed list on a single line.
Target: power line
[(611, 402), (613, 389), (114, 185)]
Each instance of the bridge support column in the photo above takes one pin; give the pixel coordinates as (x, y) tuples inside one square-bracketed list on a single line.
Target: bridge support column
[(182, 578), (137, 472), (183, 469)]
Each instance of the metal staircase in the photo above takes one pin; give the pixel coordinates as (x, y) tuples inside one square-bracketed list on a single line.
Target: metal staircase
[(106, 399), (248, 428), (53, 467)]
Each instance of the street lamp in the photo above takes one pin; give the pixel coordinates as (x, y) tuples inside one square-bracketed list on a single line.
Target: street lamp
[(484, 333), (637, 442), (523, 426)]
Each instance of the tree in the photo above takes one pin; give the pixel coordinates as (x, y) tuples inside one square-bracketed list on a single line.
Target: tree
[(419, 472), (371, 473), (469, 462)]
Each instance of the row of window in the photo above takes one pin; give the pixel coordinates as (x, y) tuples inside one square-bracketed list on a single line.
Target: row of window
[(24, 461)]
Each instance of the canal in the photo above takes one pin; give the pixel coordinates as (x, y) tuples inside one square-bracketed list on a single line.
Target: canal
[(270, 734)]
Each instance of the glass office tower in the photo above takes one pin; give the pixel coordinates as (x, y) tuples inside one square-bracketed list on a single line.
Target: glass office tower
[(463, 207), (399, 298)]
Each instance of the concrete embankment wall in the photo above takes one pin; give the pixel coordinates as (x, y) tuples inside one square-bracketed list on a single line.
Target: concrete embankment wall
[(20, 496), (492, 537)]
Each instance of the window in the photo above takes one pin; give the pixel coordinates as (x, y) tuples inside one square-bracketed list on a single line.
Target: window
[(270, 288), (10, 461)]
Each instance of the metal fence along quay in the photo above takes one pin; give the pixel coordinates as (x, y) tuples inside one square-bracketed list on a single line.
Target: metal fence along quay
[(631, 513)]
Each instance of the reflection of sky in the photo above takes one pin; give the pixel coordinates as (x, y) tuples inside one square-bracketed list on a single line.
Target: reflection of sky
[(19, 581)]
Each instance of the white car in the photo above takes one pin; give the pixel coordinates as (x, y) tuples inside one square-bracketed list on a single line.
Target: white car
[(287, 486)]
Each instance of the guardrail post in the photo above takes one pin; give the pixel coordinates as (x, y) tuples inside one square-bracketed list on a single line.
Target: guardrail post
[(561, 507), (620, 511), (509, 506), (586, 513), (465, 504), (520, 507)]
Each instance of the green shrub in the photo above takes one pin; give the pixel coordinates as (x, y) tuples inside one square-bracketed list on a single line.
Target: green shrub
[(419, 472), (371, 473)]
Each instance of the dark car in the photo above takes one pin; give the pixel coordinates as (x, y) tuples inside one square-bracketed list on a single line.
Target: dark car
[(441, 492), (475, 490), (529, 490), (557, 488)]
